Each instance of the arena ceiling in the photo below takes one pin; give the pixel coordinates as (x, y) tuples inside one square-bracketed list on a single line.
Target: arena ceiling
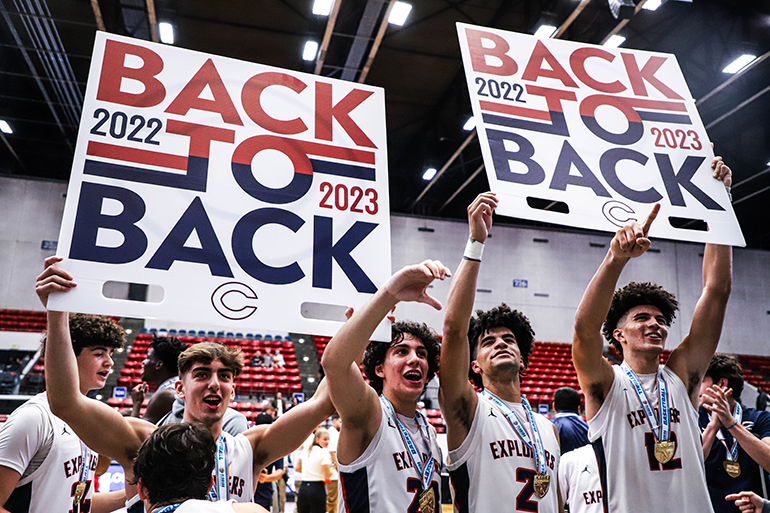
[(45, 48)]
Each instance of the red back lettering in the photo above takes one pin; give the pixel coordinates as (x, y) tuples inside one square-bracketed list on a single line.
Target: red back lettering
[(638, 76), (325, 112), (577, 63), (250, 98), (189, 97), (479, 53), (114, 70), (535, 70)]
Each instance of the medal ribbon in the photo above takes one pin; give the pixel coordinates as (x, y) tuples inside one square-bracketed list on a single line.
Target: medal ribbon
[(425, 469), (166, 509), (86, 455), (732, 452), (518, 427), (221, 490), (661, 428)]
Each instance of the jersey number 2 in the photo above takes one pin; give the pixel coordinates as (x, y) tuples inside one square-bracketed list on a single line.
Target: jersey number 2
[(526, 476), (672, 464), (84, 506), (413, 485)]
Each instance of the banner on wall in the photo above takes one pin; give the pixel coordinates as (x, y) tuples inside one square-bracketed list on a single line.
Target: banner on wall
[(592, 137), (248, 196)]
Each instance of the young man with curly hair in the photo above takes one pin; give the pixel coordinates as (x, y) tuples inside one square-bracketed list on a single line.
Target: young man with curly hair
[(206, 382), (388, 457), (173, 468), (650, 458), (736, 439), (159, 368), (44, 467), (502, 455)]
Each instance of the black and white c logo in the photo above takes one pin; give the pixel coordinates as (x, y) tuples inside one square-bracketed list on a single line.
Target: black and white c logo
[(239, 289), (618, 213)]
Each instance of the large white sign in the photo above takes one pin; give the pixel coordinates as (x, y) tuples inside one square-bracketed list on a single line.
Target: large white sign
[(589, 136), (254, 197)]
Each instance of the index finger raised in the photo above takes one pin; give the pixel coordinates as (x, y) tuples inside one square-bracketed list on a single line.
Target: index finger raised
[(650, 218)]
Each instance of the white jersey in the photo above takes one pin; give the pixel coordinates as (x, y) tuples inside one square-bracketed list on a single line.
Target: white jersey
[(48, 455), (579, 482), (240, 460), (382, 479), (492, 467), (632, 479), (196, 506)]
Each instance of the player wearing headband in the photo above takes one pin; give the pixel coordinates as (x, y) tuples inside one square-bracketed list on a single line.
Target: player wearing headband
[(501, 454)]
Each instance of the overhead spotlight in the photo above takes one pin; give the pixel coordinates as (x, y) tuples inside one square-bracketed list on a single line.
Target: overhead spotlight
[(399, 13), (652, 5), (429, 174), (614, 41), (166, 32), (322, 7), (310, 51), (470, 124), (768, 164), (5, 127), (545, 31), (739, 63)]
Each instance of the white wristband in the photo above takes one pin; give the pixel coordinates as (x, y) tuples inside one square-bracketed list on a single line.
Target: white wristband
[(473, 250)]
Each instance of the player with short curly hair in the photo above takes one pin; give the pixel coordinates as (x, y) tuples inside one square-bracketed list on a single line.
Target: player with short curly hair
[(388, 456), (637, 294), (44, 466), (161, 368), (376, 351), (493, 435), (642, 415)]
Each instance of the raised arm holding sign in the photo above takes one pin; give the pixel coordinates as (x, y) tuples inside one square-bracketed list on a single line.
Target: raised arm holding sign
[(642, 416)]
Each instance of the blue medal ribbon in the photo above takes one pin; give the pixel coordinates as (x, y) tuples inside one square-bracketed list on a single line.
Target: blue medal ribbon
[(661, 427), (536, 447), (220, 490), (86, 455), (732, 452), (166, 509), (425, 468)]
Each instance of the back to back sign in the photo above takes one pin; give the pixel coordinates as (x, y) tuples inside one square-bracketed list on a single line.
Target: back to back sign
[(251, 196), (592, 137)]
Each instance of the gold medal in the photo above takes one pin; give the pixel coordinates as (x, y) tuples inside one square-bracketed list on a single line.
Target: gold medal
[(664, 451), (542, 482), (428, 501), (80, 489), (733, 468)]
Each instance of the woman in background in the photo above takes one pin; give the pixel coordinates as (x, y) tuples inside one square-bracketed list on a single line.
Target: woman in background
[(316, 468)]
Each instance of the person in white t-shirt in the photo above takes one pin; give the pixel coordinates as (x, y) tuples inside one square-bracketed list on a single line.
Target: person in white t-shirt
[(316, 468), (579, 482)]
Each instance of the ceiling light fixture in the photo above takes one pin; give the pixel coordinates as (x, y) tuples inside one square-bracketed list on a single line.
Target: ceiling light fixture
[(310, 51), (614, 41), (166, 32), (545, 31), (429, 174), (739, 63), (5, 127), (652, 5), (470, 124), (322, 7), (399, 13)]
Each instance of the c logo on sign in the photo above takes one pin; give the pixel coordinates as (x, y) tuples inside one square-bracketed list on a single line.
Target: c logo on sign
[(618, 213), (233, 287)]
